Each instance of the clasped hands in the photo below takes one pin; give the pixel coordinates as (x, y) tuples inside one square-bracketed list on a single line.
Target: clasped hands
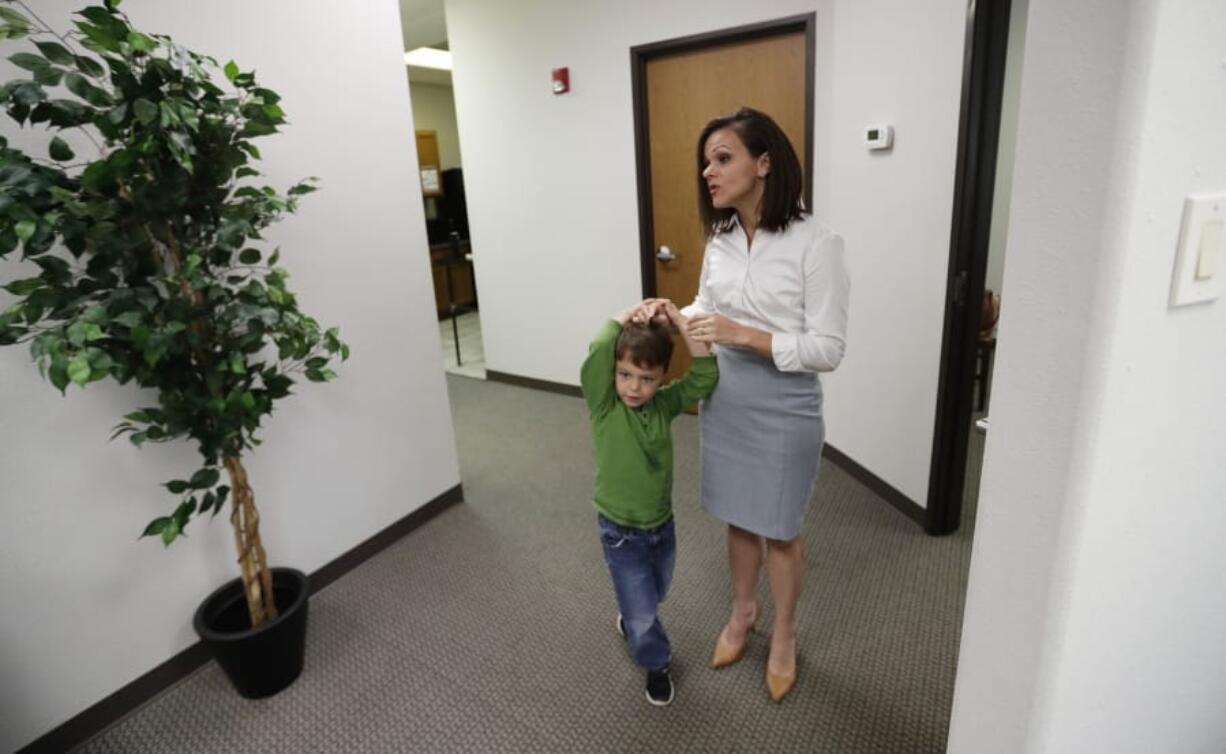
[(701, 328)]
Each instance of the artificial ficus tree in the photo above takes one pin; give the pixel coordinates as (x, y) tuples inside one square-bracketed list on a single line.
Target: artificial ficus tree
[(142, 261)]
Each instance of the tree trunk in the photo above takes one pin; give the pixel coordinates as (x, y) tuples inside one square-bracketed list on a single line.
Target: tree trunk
[(257, 579)]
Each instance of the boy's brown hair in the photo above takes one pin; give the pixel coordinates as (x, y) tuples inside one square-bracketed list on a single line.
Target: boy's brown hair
[(647, 346)]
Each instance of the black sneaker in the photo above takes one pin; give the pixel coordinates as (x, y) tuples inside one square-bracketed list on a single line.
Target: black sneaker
[(621, 626), (659, 687)]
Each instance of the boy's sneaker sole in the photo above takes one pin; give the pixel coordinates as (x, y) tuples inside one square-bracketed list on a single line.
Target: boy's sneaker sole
[(621, 626)]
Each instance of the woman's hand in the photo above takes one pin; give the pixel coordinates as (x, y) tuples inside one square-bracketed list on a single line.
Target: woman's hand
[(715, 328), (653, 309)]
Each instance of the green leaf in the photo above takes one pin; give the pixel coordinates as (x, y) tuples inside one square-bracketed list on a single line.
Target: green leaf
[(140, 42), (249, 256), (89, 67), (76, 334), (146, 111), (25, 287), (155, 526), (171, 530), (49, 76), (80, 86), (177, 487), (60, 151), (14, 18), (222, 492), (184, 511), (28, 93), (55, 52), (28, 61), (204, 479), (58, 374), (247, 400), (25, 229), (237, 364), (231, 70), (79, 369)]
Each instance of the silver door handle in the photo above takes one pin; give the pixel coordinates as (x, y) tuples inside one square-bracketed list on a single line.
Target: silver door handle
[(665, 254), (982, 425)]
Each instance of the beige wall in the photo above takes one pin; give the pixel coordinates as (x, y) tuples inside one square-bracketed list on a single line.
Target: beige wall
[(434, 110)]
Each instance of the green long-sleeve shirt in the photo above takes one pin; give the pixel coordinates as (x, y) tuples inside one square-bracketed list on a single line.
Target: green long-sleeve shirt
[(634, 447)]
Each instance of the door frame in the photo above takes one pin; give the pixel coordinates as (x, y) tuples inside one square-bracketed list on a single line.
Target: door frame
[(983, 74), (983, 83), (642, 54)]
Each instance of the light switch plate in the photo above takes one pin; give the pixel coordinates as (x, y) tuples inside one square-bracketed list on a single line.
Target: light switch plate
[(1198, 267)]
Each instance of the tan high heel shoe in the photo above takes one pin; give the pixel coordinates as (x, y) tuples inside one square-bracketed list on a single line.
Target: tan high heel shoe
[(778, 685), (726, 653)]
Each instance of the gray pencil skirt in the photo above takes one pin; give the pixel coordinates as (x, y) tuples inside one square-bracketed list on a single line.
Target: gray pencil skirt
[(762, 433)]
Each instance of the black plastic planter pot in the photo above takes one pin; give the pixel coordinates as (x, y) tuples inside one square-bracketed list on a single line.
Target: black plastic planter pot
[(259, 661)]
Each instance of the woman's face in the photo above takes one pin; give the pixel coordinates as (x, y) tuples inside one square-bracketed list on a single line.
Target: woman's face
[(733, 175)]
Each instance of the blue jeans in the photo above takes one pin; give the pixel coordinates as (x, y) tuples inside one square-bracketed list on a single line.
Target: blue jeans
[(641, 564)]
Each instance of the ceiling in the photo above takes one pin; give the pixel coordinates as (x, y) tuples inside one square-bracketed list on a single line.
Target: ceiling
[(424, 24)]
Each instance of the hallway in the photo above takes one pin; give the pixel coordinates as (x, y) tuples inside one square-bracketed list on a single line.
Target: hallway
[(491, 628)]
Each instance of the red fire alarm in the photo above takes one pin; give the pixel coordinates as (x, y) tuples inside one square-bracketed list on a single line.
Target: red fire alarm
[(561, 80)]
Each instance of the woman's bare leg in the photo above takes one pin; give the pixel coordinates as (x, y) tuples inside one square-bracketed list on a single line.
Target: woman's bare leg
[(784, 567), (744, 563)]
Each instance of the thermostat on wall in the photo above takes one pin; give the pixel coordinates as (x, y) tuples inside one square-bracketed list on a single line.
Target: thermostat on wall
[(879, 137)]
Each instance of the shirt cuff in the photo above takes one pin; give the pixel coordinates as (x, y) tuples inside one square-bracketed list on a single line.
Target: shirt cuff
[(785, 349)]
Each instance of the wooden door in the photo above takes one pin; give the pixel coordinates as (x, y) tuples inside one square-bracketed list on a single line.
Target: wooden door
[(682, 92)]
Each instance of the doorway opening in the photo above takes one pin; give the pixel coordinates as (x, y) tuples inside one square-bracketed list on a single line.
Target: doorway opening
[(428, 58), (986, 140)]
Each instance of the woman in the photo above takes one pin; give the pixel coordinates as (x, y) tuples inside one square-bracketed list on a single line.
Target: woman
[(773, 299)]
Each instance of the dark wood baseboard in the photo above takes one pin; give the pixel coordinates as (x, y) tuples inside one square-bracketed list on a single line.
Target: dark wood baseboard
[(359, 554), (101, 715), (904, 504), (546, 385)]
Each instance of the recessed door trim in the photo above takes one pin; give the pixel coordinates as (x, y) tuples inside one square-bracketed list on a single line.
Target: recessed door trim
[(983, 83)]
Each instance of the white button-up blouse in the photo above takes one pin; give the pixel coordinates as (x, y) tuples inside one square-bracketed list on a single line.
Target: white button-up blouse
[(793, 284)]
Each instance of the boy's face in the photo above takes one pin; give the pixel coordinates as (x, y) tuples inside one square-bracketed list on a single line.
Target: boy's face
[(635, 384)]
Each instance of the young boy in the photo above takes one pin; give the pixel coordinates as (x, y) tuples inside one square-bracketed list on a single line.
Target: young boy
[(630, 416)]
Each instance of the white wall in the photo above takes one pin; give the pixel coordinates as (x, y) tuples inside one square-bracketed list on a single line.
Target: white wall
[(84, 607), (1095, 613), (434, 110), (551, 188)]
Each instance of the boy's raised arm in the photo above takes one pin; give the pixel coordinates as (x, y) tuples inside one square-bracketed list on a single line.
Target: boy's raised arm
[(699, 381), (596, 374)]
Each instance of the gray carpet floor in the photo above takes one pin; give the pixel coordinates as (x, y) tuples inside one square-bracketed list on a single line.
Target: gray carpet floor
[(491, 627)]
